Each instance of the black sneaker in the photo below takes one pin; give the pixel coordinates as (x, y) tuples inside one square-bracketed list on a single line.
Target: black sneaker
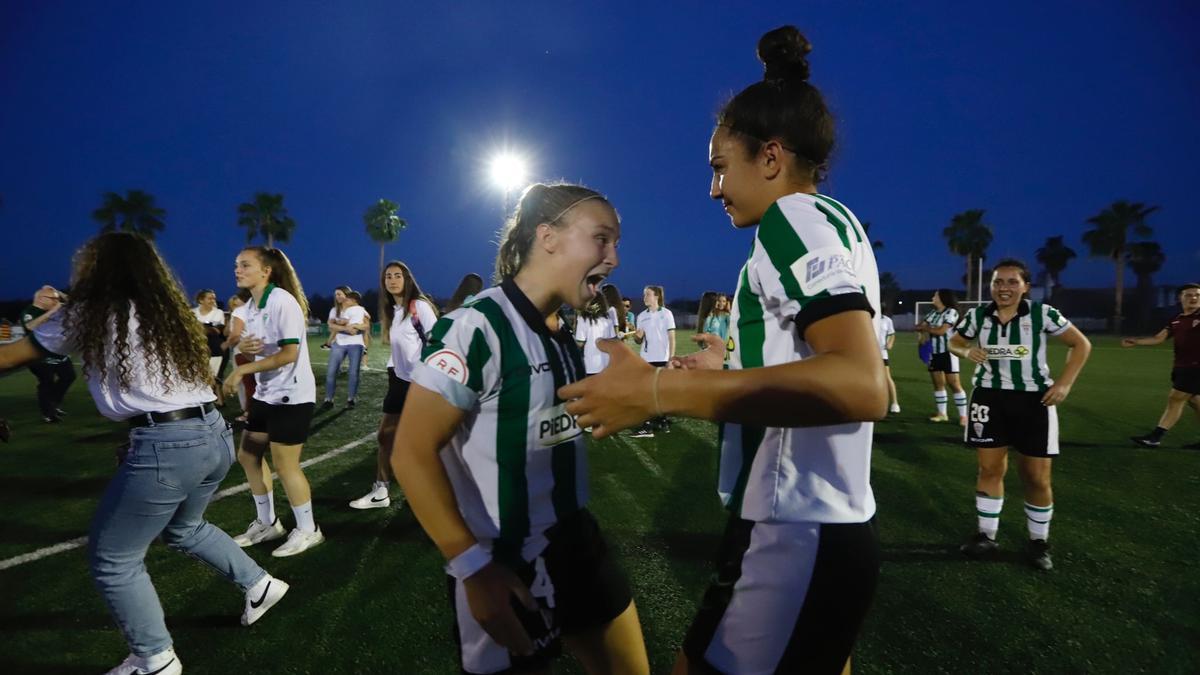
[(51, 419), (60, 412), (1039, 555), (979, 546), (350, 404), (1147, 441), (327, 405)]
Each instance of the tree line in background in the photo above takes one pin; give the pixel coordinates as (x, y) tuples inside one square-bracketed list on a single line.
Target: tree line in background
[(1119, 233)]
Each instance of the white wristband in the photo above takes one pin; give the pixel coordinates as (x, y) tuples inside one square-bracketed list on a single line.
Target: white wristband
[(469, 562)]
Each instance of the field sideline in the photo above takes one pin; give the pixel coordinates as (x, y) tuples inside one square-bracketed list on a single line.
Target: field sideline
[(1124, 596)]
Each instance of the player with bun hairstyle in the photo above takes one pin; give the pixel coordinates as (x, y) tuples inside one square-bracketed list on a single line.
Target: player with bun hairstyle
[(494, 467), (1014, 403), (799, 562), (468, 287), (145, 359), (285, 394)]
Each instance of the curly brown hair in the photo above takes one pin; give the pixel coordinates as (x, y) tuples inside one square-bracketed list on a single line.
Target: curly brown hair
[(120, 272)]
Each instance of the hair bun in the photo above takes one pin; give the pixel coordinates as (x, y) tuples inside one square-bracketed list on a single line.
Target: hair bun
[(784, 54)]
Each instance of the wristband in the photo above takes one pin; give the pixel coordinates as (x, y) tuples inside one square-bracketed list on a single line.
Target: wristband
[(469, 562)]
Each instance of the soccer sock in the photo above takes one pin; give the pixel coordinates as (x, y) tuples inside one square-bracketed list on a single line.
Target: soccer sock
[(988, 510), (1158, 433), (960, 402), (381, 486), (304, 517), (939, 397), (265, 506), (1037, 518)]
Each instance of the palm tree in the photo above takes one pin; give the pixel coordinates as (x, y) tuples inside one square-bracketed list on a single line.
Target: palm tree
[(1109, 238), (1145, 258), (968, 236), (383, 225), (266, 216), (1054, 256), (876, 244), (135, 212)]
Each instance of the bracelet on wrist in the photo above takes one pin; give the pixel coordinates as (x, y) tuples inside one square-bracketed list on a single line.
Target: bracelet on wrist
[(469, 562)]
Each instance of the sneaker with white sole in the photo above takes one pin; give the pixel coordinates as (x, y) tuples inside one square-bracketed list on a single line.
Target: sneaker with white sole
[(162, 663), (299, 542), (642, 432), (259, 600), (940, 417), (375, 499), (259, 532), (895, 408)]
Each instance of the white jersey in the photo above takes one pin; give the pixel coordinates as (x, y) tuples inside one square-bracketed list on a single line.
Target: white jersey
[(588, 331), (147, 392), (405, 341), (1017, 349), (239, 313), (278, 320), (214, 316), (518, 462), (884, 330), (811, 259), (353, 316), (657, 324)]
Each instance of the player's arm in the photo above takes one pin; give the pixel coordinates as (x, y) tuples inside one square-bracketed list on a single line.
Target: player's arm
[(671, 344), (1078, 350), (966, 349), (940, 330), (890, 342), (288, 353), (19, 353), (1156, 339)]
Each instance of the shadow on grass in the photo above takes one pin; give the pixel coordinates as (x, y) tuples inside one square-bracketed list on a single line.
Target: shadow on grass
[(316, 427), (44, 487), (922, 553)]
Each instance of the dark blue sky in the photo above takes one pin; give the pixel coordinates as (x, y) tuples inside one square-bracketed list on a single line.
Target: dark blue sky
[(1040, 115)]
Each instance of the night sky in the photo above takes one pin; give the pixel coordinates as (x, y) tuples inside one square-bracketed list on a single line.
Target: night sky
[(1040, 115)]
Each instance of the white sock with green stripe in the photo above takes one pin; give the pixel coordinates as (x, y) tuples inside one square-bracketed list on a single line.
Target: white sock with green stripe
[(939, 397), (1037, 518), (988, 509), (960, 402)]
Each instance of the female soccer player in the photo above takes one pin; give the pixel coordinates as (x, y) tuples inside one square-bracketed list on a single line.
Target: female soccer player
[(494, 467), (1185, 373), (799, 562), (618, 310), (233, 335), (468, 286), (943, 364), (410, 316), (1013, 402), (285, 394), (213, 320), (347, 329), (595, 323), (145, 359), (656, 334), (887, 338)]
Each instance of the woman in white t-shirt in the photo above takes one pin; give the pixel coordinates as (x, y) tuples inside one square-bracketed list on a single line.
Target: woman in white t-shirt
[(410, 316), (656, 334), (285, 394), (595, 323), (887, 339), (233, 334), (213, 320), (348, 324), (150, 371)]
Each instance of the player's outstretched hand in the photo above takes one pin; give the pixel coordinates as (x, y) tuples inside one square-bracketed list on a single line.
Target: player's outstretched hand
[(230, 385), (620, 397), (1057, 393), (977, 355), (1128, 342), (710, 357), (250, 345), (488, 594), (48, 298)]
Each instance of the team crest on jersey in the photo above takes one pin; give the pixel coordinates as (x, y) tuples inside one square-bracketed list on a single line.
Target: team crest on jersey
[(556, 425), (449, 363), (823, 269)]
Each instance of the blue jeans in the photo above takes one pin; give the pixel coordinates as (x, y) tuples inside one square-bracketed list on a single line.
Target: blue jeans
[(162, 487), (336, 354)]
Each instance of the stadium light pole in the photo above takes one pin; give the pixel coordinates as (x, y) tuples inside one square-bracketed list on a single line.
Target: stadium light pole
[(508, 171)]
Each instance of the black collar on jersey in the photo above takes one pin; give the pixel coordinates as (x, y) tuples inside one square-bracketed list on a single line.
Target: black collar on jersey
[(1022, 309), (533, 318), (262, 302)]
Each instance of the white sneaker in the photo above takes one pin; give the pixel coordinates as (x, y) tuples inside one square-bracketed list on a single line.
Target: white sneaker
[(259, 532), (299, 542), (375, 499), (259, 601), (895, 408), (162, 663)]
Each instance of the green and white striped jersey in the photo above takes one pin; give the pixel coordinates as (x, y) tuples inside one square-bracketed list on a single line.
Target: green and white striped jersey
[(1016, 350), (518, 462), (811, 259), (946, 317)]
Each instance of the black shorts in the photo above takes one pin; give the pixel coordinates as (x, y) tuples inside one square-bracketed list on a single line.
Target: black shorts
[(285, 424), (578, 587), (786, 598), (944, 362), (1186, 380), (393, 402), (1016, 419), (886, 364)]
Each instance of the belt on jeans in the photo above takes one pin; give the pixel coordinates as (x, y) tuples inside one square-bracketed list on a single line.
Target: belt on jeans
[(146, 419)]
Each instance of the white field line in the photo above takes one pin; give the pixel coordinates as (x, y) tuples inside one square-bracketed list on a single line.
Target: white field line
[(237, 489), (646, 460)]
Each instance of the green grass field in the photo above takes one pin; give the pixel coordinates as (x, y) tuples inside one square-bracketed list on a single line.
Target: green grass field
[(1124, 596)]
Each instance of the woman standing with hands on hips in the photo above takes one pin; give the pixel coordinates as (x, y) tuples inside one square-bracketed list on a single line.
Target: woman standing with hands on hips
[(145, 360), (285, 392), (799, 562)]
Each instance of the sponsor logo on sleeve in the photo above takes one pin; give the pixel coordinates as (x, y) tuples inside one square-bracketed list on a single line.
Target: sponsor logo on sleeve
[(449, 363), (825, 268), (556, 425)]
